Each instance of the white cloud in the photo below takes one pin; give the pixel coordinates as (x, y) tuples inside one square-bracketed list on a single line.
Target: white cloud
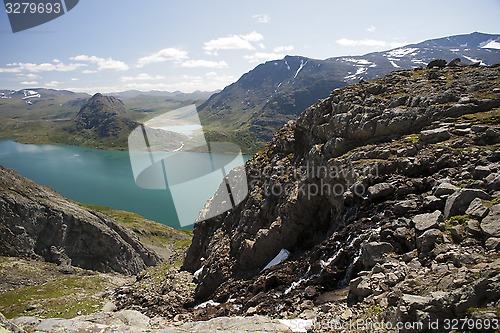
[(28, 76), (368, 42), (29, 83), (103, 64), (262, 18), (88, 71), (204, 64), (141, 77), (371, 28), (56, 61), (75, 79), (169, 54), (52, 84), (44, 67), (233, 42), (263, 56), (281, 49)]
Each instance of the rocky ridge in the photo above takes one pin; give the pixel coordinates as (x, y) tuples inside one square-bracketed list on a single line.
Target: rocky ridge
[(386, 196), (36, 222)]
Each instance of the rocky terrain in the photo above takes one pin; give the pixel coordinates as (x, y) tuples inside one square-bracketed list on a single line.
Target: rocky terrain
[(386, 196), (382, 202), (36, 222)]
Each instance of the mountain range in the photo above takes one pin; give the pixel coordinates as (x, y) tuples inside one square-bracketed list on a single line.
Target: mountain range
[(250, 110)]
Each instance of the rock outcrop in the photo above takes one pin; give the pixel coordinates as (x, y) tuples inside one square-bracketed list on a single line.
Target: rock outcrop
[(368, 190), (36, 222)]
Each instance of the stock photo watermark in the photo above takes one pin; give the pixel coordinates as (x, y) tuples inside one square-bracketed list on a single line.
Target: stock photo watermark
[(311, 180), (24, 15)]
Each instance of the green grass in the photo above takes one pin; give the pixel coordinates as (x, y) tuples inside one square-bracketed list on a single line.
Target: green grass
[(149, 232), (491, 117), (63, 298), (460, 219)]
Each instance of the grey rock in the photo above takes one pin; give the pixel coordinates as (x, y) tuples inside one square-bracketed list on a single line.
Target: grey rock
[(458, 202), (479, 128), (492, 243), (133, 318), (60, 231), (232, 325), (477, 209), (439, 63), (457, 62), (428, 221), (481, 172), (457, 233), (493, 182), (375, 89), (491, 223), (445, 189), (7, 326), (473, 227), (373, 253), (414, 301), (381, 190), (427, 241), (360, 287), (434, 135), (403, 207), (432, 202)]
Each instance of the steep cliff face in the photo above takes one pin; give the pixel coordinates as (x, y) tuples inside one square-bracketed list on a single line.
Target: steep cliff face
[(37, 222), (378, 174)]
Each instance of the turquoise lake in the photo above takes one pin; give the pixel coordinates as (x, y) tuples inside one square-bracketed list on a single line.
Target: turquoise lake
[(92, 176)]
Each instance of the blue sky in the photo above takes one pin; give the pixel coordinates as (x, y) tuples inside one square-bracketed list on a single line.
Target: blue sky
[(116, 45)]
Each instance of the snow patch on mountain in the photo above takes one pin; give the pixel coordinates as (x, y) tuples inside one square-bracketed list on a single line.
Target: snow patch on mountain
[(492, 44), (401, 52), (359, 71), (302, 64), (474, 60), (358, 61)]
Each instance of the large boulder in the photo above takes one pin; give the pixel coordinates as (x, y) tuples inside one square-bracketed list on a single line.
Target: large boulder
[(424, 222), (434, 135), (477, 209), (380, 190), (491, 223), (428, 240), (458, 202), (374, 252)]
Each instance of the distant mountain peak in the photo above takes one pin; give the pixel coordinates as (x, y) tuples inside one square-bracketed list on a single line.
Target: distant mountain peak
[(101, 103), (251, 109)]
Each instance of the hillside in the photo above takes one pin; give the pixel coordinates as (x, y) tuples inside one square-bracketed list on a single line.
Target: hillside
[(382, 201), (60, 259), (250, 110)]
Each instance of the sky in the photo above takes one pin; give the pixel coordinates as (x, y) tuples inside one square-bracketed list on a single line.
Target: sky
[(117, 45)]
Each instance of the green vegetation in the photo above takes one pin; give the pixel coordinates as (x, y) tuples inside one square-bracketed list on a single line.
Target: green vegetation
[(46, 290), (491, 117), (412, 138), (150, 233), (459, 219)]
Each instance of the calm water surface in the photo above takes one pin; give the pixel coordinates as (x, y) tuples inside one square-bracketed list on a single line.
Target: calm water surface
[(99, 177)]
